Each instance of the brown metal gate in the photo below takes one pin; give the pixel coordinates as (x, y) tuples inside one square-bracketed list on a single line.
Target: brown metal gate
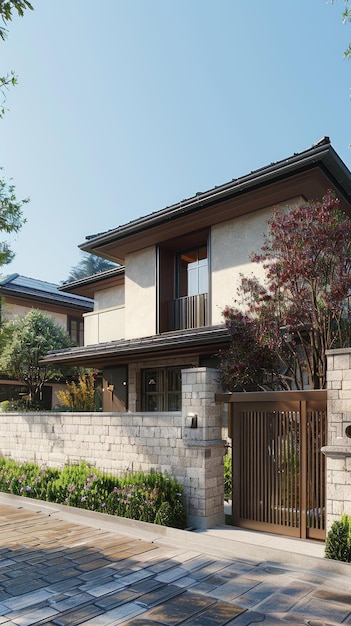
[(278, 466)]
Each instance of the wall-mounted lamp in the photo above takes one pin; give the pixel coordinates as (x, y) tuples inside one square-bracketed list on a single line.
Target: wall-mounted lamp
[(348, 431), (110, 388), (191, 420)]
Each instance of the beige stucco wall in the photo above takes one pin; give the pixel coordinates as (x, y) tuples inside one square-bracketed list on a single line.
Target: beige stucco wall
[(107, 298), (140, 294), (232, 243), (104, 325)]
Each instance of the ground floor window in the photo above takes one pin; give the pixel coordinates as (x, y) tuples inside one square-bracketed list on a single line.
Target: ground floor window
[(161, 389)]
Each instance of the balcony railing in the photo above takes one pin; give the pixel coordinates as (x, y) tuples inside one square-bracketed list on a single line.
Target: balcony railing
[(189, 312)]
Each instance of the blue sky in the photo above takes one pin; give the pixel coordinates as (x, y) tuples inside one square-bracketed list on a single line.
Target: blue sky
[(127, 109)]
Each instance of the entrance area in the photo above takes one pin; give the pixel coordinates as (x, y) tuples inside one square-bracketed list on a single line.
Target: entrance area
[(278, 468)]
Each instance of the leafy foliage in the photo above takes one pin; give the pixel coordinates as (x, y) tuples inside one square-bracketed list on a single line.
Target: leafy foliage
[(89, 265), (7, 7), (29, 338), (11, 217), (281, 329), (338, 543), (346, 17), (136, 496), (247, 362), (80, 395), (228, 481)]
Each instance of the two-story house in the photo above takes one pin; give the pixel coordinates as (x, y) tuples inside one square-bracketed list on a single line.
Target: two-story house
[(161, 310), (19, 294)]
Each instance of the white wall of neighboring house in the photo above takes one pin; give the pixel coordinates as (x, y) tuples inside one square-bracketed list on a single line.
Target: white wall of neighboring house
[(11, 310), (140, 292)]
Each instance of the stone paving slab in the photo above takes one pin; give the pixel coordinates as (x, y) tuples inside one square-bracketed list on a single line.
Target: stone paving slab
[(55, 572)]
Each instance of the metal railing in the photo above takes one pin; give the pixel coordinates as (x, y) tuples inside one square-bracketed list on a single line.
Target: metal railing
[(189, 312)]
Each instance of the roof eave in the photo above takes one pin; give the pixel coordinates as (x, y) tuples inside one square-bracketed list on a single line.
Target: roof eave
[(322, 153), (176, 341)]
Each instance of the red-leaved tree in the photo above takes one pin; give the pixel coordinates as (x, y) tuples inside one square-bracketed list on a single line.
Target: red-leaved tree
[(282, 328)]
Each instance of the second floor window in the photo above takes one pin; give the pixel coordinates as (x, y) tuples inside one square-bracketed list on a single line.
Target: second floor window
[(76, 330), (192, 272)]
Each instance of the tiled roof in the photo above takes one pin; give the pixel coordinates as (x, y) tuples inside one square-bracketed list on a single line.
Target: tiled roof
[(321, 152), (179, 340), (32, 288)]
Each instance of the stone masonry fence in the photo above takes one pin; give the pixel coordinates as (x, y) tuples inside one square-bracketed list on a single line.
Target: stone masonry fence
[(188, 445)]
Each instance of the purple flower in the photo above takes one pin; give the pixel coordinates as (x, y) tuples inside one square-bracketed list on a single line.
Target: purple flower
[(28, 488)]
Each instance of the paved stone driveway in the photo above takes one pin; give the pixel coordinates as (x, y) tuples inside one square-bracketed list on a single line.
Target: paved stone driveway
[(60, 573)]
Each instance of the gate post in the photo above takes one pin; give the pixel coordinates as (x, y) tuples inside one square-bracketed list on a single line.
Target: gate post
[(203, 448), (338, 448)]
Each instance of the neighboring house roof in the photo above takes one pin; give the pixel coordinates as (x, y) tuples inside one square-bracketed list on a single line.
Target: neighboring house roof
[(203, 340), (87, 285), (150, 229), (32, 289)]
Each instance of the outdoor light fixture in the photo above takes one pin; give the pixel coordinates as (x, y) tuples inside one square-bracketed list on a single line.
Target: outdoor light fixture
[(192, 420), (348, 431)]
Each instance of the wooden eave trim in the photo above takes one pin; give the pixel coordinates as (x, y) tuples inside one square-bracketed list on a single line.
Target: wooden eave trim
[(310, 184), (89, 290)]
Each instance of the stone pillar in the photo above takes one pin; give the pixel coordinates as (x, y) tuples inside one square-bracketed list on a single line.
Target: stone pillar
[(338, 448), (203, 448)]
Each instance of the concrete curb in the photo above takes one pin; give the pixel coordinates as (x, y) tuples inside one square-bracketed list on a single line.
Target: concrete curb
[(206, 541)]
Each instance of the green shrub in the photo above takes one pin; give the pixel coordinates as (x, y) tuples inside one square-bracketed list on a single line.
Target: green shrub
[(228, 487), (137, 496), (338, 543), (164, 516), (80, 395)]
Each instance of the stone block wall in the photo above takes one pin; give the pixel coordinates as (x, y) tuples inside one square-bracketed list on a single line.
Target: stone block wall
[(338, 448), (203, 445), (118, 442)]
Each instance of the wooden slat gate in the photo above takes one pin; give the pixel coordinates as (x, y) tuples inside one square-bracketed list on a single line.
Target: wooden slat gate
[(278, 467)]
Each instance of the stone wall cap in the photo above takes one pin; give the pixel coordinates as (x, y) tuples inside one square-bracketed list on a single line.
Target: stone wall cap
[(338, 351), (192, 443), (336, 451)]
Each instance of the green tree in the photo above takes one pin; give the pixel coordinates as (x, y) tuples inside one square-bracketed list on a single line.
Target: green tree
[(7, 8), (89, 265), (28, 339), (281, 328), (346, 17), (11, 215)]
